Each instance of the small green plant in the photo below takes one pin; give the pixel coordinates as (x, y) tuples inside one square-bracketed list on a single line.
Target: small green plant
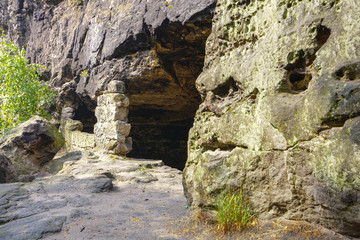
[(143, 168), (168, 4), (233, 211), (84, 73)]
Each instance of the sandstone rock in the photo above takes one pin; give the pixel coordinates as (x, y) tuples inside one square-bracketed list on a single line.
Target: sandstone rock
[(117, 99), (280, 111), (71, 125), (157, 51), (79, 202), (111, 114), (67, 113), (6, 170), (124, 148), (29, 146), (116, 87), (112, 129), (74, 138)]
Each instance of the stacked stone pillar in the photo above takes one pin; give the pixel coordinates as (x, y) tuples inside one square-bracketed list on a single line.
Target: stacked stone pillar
[(112, 129)]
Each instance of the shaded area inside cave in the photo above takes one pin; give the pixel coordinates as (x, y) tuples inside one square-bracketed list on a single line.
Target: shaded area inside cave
[(163, 104), (164, 140), (86, 116)]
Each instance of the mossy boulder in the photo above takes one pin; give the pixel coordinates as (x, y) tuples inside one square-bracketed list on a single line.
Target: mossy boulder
[(28, 147), (280, 111)]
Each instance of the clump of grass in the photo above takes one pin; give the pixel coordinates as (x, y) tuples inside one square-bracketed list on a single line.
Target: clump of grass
[(233, 212)]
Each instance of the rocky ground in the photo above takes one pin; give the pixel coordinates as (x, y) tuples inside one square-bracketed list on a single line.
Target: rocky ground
[(85, 196), (82, 195)]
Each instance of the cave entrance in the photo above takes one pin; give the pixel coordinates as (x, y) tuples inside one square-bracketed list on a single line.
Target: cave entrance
[(85, 115), (163, 136), (164, 101)]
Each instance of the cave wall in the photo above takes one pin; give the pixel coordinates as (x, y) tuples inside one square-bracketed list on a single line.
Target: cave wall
[(157, 51), (280, 111)]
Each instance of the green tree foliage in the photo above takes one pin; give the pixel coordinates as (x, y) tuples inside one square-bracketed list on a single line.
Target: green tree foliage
[(22, 95)]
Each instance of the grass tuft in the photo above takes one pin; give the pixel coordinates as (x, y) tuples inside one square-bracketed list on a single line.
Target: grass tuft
[(233, 212)]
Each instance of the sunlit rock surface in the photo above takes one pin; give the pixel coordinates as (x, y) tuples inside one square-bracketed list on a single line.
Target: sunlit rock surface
[(280, 115)]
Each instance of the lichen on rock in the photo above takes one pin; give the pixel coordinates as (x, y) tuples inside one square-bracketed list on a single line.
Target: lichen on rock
[(280, 109)]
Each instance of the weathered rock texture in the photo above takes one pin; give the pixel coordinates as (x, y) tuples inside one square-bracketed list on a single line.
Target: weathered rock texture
[(156, 50), (75, 138), (26, 148), (110, 132), (112, 128), (280, 116), (91, 196)]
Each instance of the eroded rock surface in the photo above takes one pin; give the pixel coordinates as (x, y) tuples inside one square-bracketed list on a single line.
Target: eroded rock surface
[(280, 115), (82, 195), (158, 51), (26, 148)]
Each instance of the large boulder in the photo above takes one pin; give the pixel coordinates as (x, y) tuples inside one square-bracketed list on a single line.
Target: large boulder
[(26, 148), (280, 111)]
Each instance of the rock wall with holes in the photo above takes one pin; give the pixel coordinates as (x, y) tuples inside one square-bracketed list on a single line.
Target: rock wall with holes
[(280, 115)]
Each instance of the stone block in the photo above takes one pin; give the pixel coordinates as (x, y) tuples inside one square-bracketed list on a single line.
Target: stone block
[(67, 113), (116, 87), (85, 140), (67, 127), (112, 129), (72, 125), (113, 99), (110, 114), (123, 148)]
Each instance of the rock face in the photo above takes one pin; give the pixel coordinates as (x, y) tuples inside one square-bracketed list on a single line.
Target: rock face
[(24, 149), (158, 51), (280, 116)]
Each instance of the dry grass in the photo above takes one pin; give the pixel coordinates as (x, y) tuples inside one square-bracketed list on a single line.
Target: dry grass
[(233, 212), (201, 224)]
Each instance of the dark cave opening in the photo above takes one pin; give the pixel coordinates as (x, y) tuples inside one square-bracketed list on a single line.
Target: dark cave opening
[(86, 117), (165, 141), (163, 103), (160, 134)]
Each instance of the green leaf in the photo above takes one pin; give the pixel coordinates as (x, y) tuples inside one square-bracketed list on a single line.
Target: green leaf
[(22, 95)]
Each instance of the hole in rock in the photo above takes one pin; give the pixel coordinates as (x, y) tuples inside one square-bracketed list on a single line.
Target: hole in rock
[(161, 137), (163, 103), (323, 33), (87, 117), (349, 72), (300, 63), (299, 81), (228, 87)]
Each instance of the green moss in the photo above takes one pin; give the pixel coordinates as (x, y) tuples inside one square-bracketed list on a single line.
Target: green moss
[(284, 16), (337, 165)]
